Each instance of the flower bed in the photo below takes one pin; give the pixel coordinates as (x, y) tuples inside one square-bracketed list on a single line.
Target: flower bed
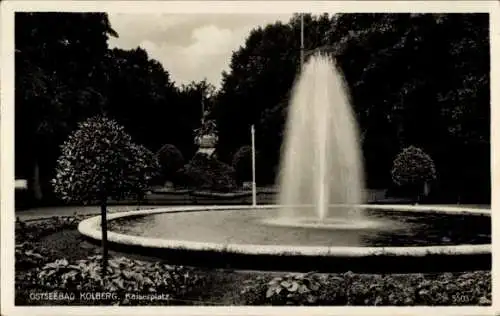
[(472, 288), (41, 268), (28, 252), (123, 276)]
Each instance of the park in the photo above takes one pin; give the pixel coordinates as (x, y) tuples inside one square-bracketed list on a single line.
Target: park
[(344, 160)]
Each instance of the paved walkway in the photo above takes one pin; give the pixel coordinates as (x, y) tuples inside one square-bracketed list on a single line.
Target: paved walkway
[(46, 212)]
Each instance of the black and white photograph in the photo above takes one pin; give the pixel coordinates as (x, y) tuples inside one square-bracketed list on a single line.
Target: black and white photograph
[(261, 157)]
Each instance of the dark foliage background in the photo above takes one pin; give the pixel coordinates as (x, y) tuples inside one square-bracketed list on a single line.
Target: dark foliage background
[(414, 79)]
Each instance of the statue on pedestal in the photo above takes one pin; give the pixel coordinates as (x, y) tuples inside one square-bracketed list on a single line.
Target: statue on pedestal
[(206, 136)]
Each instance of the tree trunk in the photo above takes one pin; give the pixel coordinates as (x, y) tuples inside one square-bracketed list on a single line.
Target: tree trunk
[(104, 230), (37, 188)]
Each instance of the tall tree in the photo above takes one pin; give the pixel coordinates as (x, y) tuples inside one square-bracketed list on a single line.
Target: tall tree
[(261, 72), (141, 96), (59, 57), (146, 101), (414, 79)]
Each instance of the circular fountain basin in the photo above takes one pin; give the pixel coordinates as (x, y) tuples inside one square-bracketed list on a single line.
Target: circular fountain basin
[(395, 238)]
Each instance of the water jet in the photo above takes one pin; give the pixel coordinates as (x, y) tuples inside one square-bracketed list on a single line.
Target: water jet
[(321, 162)]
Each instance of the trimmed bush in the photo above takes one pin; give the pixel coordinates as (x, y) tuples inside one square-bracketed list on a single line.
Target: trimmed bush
[(171, 160), (208, 173), (413, 167), (100, 161)]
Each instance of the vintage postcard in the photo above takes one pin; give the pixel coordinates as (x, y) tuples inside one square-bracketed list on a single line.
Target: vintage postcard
[(236, 157)]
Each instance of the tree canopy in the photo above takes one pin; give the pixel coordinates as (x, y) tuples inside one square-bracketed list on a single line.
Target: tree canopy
[(413, 79), (418, 79), (66, 73), (59, 74)]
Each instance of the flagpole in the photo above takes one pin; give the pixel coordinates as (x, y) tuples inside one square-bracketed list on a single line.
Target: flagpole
[(254, 184), (301, 40)]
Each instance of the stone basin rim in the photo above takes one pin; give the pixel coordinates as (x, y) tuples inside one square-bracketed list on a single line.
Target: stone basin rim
[(90, 228)]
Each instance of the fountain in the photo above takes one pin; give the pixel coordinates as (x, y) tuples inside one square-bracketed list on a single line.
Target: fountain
[(320, 222), (321, 162)]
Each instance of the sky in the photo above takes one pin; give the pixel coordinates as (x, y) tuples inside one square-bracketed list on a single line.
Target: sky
[(191, 47)]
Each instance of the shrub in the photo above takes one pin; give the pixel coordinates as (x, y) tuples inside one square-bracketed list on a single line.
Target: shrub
[(242, 163), (28, 256), (204, 172), (413, 167), (171, 160), (100, 161), (296, 289)]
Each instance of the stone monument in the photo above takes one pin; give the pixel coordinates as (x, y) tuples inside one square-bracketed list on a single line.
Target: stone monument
[(206, 136)]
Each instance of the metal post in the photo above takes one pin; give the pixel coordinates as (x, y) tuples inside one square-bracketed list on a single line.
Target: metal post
[(254, 184), (301, 40), (202, 109)]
